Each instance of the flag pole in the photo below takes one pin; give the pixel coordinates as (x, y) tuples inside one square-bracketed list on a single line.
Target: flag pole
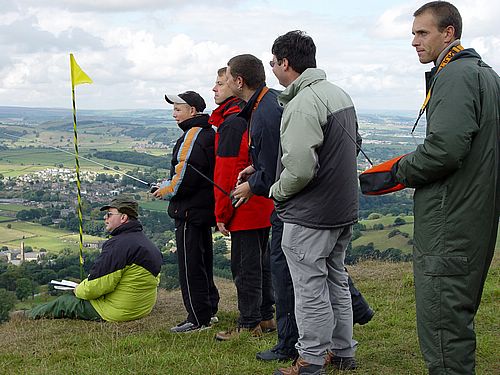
[(78, 76), (79, 195)]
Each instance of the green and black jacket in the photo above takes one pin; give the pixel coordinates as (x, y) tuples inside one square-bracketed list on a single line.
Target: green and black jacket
[(122, 283)]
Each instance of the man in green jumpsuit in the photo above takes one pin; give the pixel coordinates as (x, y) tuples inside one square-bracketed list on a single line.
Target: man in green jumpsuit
[(455, 173)]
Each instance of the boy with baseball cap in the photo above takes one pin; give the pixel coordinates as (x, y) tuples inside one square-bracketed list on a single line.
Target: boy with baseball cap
[(192, 207)]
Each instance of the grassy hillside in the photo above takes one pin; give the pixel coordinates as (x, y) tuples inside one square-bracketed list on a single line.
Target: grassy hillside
[(381, 241), (387, 345), (380, 238), (385, 220)]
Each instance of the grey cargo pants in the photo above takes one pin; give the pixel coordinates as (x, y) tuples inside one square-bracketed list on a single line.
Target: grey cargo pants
[(323, 307)]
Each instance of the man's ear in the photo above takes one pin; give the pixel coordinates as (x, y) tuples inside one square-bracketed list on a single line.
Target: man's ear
[(285, 63), (449, 34), (240, 81)]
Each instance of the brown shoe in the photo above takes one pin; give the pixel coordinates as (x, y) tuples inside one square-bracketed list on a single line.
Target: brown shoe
[(301, 367), (268, 325), (236, 332)]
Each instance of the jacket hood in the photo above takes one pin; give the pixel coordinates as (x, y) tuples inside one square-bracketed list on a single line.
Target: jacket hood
[(308, 77), (199, 120), (466, 53)]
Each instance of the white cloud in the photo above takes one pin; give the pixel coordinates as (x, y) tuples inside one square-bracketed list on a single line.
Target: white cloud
[(118, 6), (135, 51), (394, 23)]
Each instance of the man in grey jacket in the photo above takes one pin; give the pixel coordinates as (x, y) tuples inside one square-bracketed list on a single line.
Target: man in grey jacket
[(317, 199)]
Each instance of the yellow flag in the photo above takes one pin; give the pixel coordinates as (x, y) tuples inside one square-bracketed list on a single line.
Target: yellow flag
[(78, 76)]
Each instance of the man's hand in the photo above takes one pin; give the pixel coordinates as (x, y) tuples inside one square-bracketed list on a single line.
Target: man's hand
[(222, 229), (244, 174), (242, 193), (157, 194)]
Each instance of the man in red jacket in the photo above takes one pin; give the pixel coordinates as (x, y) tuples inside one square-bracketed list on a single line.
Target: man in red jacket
[(248, 225)]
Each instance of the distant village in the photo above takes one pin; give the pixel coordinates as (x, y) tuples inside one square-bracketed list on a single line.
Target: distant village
[(60, 183), (54, 190)]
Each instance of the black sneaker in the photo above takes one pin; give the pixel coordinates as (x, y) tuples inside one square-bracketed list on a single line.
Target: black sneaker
[(343, 363), (187, 326), (367, 316)]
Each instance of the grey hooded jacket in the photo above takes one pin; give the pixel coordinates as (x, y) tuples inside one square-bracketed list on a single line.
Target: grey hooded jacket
[(317, 185)]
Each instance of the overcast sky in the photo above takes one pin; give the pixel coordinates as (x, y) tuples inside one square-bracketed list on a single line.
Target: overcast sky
[(138, 50)]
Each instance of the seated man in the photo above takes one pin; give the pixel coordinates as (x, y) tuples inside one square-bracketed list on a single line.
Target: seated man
[(122, 283)]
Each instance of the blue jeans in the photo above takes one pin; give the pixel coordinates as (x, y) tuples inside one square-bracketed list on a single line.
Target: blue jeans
[(252, 276)]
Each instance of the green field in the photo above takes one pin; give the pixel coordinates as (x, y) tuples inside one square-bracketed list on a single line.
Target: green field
[(381, 241), (11, 207), (379, 237), (38, 236), (385, 220), (17, 162), (5, 218), (102, 137), (157, 205)]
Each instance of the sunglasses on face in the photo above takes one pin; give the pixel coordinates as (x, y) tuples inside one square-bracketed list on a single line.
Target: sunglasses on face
[(109, 214), (273, 63)]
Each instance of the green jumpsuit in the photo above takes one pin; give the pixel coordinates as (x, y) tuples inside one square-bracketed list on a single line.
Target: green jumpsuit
[(455, 173)]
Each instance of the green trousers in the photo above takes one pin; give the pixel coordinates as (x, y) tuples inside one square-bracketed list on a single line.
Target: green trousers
[(66, 306), (448, 293)]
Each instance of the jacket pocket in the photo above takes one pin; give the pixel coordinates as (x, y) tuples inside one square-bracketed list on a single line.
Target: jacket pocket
[(430, 219), (435, 265)]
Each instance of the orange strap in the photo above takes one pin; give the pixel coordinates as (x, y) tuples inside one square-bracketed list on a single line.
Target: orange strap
[(256, 104), (445, 62)]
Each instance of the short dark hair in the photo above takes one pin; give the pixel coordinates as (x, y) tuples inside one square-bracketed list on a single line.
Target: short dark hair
[(248, 67), (446, 14), (298, 48)]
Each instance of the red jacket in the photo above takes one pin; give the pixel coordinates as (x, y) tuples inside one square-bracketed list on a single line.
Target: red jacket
[(231, 157)]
